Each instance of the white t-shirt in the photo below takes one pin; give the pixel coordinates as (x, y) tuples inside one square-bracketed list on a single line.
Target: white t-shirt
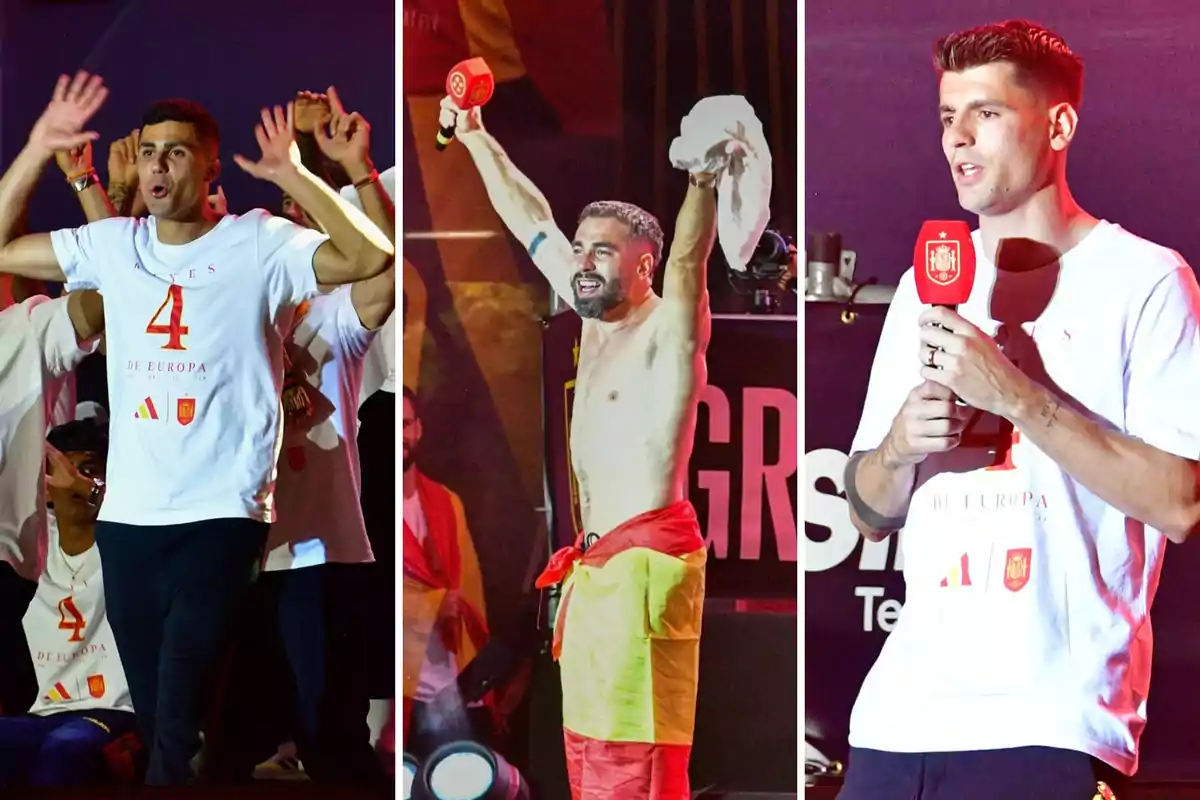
[(317, 494), (71, 643), (440, 668), (195, 360), (38, 350), (1026, 621), (379, 367)]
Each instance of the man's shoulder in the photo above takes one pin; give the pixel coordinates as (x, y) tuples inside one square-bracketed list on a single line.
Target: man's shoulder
[(437, 486), (1126, 251)]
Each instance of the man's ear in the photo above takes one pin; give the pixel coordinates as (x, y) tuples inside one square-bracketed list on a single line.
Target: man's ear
[(214, 171), (646, 266)]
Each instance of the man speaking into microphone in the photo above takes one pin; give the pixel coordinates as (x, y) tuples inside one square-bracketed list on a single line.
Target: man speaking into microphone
[(1037, 445)]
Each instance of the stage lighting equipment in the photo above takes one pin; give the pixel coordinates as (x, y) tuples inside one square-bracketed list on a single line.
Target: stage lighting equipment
[(408, 777), (469, 771)]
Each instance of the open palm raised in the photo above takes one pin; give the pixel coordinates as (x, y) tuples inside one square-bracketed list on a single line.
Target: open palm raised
[(75, 101), (276, 137)]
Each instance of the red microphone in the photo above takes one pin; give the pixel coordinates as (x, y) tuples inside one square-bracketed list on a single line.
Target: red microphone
[(944, 263), (469, 84)]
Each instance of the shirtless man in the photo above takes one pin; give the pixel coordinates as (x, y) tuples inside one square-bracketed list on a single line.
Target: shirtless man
[(633, 586)]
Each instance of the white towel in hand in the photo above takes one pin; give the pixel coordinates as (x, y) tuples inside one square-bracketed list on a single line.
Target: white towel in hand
[(723, 135)]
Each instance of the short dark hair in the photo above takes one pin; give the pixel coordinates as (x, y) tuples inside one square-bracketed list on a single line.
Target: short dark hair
[(1039, 55), (207, 130), (80, 436), (642, 224), (411, 397)]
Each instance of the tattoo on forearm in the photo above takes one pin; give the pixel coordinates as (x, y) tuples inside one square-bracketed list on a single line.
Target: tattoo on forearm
[(1049, 413), (118, 195), (867, 514)]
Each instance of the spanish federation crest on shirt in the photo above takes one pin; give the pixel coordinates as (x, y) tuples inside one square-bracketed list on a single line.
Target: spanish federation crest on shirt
[(1017, 564), (942, 257)]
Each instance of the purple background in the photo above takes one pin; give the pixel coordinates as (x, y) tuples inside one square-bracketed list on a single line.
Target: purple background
[(874, 168), (232, 56)]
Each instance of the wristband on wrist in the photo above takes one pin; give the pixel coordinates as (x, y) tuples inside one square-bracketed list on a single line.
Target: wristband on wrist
[(84, 180), (367, 181)]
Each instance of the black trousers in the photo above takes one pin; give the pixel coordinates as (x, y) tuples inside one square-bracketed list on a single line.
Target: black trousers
[(377, 454), (1030, 773), (302, 648), (172, 593), (18, 682)]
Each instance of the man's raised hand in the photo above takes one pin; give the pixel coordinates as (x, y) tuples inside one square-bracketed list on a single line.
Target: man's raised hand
[(75, 102), (347, 139), (75, 162), (277, 140), (122, 161)]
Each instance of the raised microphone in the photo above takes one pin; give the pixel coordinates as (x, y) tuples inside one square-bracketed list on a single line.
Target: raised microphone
[(469, 84), (944, 263)]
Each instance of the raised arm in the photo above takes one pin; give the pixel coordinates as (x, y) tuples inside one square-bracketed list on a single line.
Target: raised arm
[(521, 207), (123, 191), (77, 167), (346, 141), (357, 249), (685, 277), (59, 128)]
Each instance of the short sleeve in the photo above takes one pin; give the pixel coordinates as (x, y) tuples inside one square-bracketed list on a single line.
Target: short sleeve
[(354, 337), (387, 179), (83, 253), (55, 333), (1162, 375), (286, 252), (895, 370)]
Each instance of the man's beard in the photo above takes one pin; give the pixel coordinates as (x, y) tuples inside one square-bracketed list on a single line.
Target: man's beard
[(410, 457), (595, 305)]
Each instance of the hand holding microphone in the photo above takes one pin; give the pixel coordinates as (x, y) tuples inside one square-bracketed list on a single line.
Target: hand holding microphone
[(954, 353), (468, 87)]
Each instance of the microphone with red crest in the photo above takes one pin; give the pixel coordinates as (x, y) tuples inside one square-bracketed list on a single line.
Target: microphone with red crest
[(944, 263), (469, 84)]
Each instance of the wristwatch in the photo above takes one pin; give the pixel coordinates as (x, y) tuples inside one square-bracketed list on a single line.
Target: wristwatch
[(84, 181), (97, 492)]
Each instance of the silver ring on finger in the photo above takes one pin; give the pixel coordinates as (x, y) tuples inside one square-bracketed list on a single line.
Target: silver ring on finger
[(929, 360)]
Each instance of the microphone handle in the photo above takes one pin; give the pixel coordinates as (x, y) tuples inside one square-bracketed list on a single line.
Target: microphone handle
[(445, 137)]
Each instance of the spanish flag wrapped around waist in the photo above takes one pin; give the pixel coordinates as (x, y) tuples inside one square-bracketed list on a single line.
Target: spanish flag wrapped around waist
[(627, 638)]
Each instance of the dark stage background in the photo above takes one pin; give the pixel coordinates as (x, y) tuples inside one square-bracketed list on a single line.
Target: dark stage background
[(872, 137)]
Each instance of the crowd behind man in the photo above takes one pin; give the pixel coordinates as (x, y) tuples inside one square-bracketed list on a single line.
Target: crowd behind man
[(243, 345)]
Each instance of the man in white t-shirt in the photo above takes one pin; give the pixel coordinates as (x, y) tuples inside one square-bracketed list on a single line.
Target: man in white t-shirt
[(83, 705), (312, 592), (1035, 510), (41, 343), (199, 306)]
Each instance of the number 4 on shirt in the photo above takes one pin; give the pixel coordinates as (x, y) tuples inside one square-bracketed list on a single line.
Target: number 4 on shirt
[(174, 329)]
